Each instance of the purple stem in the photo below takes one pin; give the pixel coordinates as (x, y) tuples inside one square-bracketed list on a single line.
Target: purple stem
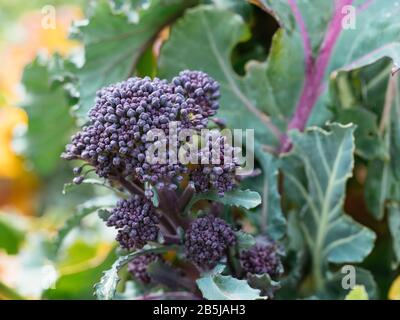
[(315, 69)]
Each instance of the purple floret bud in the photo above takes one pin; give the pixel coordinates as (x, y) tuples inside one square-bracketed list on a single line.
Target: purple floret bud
[(207, 240)]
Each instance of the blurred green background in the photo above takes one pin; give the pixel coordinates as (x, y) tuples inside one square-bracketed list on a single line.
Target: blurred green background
[(32, 205)]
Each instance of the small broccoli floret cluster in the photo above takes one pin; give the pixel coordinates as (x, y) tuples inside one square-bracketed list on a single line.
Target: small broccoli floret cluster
[(136, 221), (201, 93), (115, 140), (207, 240), (217, 165), (138, 267), (262, 258)]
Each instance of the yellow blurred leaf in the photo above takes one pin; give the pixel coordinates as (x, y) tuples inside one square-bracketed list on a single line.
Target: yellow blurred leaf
[(394, 292), (357, 293)]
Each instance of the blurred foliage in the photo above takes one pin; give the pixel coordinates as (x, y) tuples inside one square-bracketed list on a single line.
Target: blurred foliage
[(18, 183)]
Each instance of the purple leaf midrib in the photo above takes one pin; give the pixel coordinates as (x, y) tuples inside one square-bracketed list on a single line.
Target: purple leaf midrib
[(315, 69)]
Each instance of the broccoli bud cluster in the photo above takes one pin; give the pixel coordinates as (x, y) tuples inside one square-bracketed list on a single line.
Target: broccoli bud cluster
[(207, 240), (138, 266), (215, 171), (202, 94), (262, 258), (115, 140), (136, 221)]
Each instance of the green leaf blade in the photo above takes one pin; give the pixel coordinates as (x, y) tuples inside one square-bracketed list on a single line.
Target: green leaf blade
[(326, 164)]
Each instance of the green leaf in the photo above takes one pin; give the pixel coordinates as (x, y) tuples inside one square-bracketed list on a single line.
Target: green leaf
[(114, 45), (394, 227), (272, 218), (264, 283), (104, 214), (357, 293), (89, 207), (369, 144), (382, 182), (215, 286), (244, 240), (105, 289), (377, 187), (50, 123), (239, 198), (327, 162), (11, 237)]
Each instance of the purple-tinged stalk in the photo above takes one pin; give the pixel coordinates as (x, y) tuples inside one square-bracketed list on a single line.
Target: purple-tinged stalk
[(315, 69)]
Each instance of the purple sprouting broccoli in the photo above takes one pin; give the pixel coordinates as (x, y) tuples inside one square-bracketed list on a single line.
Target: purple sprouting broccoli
[(136, 221), (217, 165), (263, 257), (115, 140), (207, 240), (201, 93)]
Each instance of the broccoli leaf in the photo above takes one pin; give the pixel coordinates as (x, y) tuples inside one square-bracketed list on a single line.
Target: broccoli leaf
[(215, 286), (106, 287), (246, 199), (327, 162)]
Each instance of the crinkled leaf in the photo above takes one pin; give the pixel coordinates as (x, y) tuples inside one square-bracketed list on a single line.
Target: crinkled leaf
[(104, 214), (106, 287), (264, 283), (327, 161), (215, 286)]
